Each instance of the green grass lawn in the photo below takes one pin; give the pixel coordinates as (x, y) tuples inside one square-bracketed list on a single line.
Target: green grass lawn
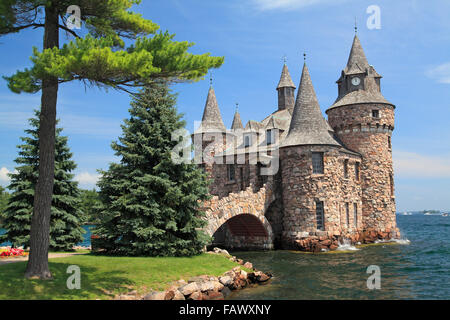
[(103, 277)]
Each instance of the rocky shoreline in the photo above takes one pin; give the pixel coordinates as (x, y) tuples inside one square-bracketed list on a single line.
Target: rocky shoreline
[(207, 287)]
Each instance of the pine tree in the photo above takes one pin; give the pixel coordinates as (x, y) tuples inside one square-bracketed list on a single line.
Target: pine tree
[(150, 203), (65, 229)]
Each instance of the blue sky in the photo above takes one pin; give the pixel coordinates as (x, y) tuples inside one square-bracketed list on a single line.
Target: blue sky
[(410, 51)]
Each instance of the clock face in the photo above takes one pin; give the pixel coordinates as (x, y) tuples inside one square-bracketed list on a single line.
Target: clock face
[(356, 81)]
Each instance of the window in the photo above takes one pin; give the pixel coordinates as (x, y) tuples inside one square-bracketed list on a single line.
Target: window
[(230, 172), (346, 169), (347, 213), (389, 142), (320, 216), (391, 182), (247, 140), (317, 162), (376, 113), (357, 171), (269, 136), (355, 214)]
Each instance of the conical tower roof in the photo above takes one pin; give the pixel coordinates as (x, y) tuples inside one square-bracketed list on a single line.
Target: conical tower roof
[(357, 61), (285, 79), (308, 126), (237, 123), (212, 119)]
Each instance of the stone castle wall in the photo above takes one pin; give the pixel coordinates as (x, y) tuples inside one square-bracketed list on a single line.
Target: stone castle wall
[(302, 188), (371, 136)]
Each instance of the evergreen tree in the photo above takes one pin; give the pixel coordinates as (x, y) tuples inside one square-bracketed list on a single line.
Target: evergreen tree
[(150, 203), (65, 229), (90, 202)]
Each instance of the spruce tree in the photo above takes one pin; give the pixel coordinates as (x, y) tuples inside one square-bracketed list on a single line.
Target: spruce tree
[(151, 204), (65, 228)]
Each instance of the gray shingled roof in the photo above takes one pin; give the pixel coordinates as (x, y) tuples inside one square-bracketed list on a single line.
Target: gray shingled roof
[(357, 61), (308, 126), (237, 123), (212, 120), (285, 79)]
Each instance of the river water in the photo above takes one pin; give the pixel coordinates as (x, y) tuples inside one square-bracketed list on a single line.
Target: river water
[(419, 269)]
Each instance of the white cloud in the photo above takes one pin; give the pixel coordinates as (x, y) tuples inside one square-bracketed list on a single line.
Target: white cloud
[(414, 165), (440, 73), (4, 179), (87, 180), (290, 4)]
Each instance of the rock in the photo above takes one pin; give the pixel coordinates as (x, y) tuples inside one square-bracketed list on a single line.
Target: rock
[(243, 275), (125, 297), (170, 294), (261, 277), (189, 288), (237, 270), (155, 295), (225, 292), (214, 295), (217, 286), (206, 286), (196, 295), (248, 265), (178, 295), (326, 242), (226, 280), (240, 261)]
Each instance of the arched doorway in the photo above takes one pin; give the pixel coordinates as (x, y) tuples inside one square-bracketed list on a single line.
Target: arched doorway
[(242, 232)]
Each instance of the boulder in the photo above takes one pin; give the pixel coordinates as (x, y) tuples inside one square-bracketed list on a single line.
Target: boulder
[(206, 286), (214, 295), (196, 295), (189, 288), (248, 265), (226, 280), (240, 261), (170, 294), (156, 295), (178, 295), (217, 286)]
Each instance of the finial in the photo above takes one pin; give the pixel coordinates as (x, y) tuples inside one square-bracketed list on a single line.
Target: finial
[(210, 79), (237, 106), (284, 59), (356, 26), (304, 56)]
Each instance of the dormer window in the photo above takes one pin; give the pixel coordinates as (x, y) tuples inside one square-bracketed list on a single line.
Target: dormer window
[(375, 113), (269, 137), (247, 140)]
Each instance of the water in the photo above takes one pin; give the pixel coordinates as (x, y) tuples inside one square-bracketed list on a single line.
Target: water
[(85, 243), (414, 269)]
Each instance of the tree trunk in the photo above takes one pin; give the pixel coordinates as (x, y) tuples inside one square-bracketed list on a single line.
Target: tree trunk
[(40, 222)]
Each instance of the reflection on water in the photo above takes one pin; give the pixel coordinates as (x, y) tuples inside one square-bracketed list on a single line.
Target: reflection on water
[(415, 270)]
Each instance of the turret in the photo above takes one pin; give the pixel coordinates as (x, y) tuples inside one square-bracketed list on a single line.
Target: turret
[(364, 120), (286, 90), (210, 136)]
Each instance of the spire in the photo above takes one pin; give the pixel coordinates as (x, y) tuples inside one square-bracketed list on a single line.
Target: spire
[(285, 79), (237, 123), (308, 126), (212, 120), (357, 61)]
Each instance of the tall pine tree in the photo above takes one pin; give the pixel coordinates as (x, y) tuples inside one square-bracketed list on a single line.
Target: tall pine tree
[(65, 228), (150, 203)]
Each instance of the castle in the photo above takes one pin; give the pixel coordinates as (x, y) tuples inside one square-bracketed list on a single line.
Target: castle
[(295, 180)]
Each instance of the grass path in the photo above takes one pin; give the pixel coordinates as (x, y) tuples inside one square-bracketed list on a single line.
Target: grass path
[(103, 277)]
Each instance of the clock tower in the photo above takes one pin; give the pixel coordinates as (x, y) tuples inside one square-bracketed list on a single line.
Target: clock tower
[(364, 121)]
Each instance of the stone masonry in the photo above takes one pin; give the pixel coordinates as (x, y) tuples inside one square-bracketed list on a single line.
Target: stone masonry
[(296, 180)]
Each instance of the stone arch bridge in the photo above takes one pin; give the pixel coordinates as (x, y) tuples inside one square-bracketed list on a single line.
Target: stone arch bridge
[(238, 221)]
